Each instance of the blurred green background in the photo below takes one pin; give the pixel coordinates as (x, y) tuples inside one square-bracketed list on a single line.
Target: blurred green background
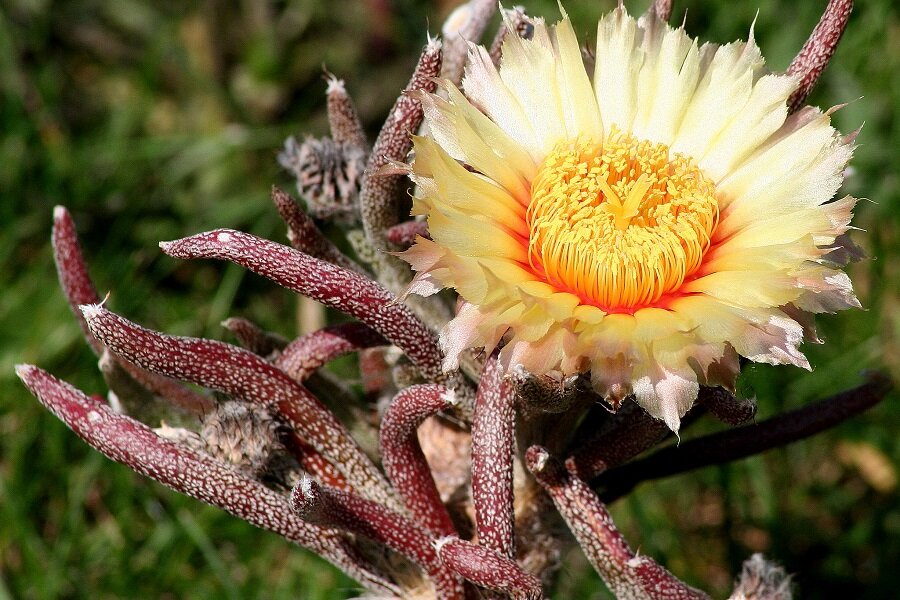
[(154, 120)]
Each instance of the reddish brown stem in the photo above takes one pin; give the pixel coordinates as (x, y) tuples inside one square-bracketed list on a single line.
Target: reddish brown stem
[(305, 236), (302, 357), (626, 575), (244, 375), (380, 194), (252, 337), (404, 234), (403, 459), (327, 283), (489, 569), (493, 443), (633, 431), (729, 409), (79, 289), (334, 508), (734, 444), (133, 444), (816, 53)]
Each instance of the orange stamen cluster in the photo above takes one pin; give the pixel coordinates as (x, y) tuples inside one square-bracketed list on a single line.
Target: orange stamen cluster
[(619, 223)]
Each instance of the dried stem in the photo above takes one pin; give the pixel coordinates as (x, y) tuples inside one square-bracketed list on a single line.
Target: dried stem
[(626, 575), (493, 444), (334, 508), (489, 569), (403, 459), (816, 53), (133, 444), (734, 444), (329, 284)]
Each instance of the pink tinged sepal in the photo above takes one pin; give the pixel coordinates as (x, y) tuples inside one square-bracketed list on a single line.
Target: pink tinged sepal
[(248, 377), (327, 283), (133, 444), (350, 512), (488, 568)]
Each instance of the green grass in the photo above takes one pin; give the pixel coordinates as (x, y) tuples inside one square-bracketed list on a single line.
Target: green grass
[(151, 121)]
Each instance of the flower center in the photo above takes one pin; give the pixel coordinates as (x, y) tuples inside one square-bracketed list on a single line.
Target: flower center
[(621, 223)]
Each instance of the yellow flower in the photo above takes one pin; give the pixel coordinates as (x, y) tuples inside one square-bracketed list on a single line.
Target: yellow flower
[(647, 224)]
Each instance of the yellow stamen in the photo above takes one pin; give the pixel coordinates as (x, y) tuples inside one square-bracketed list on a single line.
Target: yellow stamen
[(619, 223)]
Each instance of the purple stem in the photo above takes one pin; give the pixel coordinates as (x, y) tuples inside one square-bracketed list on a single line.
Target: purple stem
[(632, 432), (403, 459), (79, 289), (404, 234), (252, 337), (305, 236)]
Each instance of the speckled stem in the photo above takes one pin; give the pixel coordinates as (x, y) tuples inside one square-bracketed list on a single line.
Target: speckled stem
[(252, 337), (71, 268), (466, 23), (403, 459), (79, 289), (404, 234), (632, 432), (343, 120), (628, 577), (489, 569), (734, 444), (334, 508), (537, 395), (380, 193), (133, 444), (816, 53), (329, 284), (302, 357), (661, 8), (311, 461), (514, 19), (244, 375), (304, 235), (493, 444), (723, 405)]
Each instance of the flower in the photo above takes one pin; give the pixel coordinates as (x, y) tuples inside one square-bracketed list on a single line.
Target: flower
[(647, 224)]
